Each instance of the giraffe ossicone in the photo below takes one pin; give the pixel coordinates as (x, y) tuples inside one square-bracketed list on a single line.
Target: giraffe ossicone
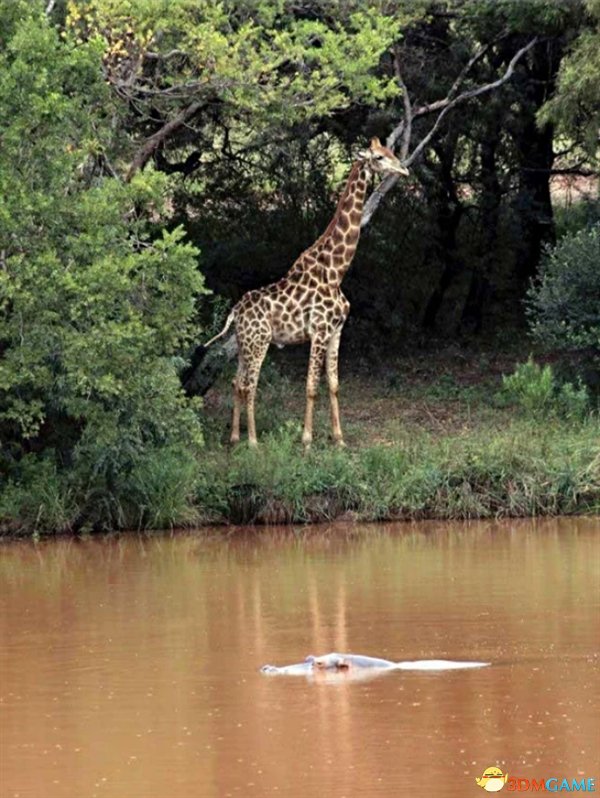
[(307, 304)]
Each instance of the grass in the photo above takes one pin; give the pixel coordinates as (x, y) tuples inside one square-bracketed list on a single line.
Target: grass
[(524, 469), (428, 437)]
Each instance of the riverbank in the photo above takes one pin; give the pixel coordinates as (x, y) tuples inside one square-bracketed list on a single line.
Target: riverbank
[(523, 469), (428, 438)]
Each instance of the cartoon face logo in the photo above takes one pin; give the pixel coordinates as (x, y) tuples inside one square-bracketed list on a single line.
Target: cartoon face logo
[(493, 779)]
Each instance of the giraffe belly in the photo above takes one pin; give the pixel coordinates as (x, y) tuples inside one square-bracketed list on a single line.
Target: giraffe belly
[(284, 336), (289, 325)]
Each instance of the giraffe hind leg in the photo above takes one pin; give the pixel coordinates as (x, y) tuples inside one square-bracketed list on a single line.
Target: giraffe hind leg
[(238, 397), (253, 361)]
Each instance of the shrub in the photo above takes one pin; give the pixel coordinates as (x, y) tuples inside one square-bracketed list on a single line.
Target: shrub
[(535, 390), (564, 304), (96, 304)]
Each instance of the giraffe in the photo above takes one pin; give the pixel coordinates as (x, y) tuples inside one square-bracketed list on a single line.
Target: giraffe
[(307, 304)]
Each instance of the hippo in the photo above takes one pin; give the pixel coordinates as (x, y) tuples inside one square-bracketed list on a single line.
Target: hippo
[(354, 664)]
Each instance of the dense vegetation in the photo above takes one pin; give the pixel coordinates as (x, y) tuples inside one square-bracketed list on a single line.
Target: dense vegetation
[(152, 151)]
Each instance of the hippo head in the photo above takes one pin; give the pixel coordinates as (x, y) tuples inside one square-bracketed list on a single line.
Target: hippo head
[(329, 662)]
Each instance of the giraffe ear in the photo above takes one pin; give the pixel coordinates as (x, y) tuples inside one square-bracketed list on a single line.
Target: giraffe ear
[(375, 142), (364, 155)]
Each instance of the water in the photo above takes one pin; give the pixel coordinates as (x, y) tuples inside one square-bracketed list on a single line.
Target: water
[(129, 667)]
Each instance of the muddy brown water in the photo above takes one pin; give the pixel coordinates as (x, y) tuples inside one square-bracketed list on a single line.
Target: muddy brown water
[(130, 667)]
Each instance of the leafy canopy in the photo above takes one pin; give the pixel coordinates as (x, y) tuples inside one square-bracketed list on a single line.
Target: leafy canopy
[(575, 107), (262, 63), (95, 304)]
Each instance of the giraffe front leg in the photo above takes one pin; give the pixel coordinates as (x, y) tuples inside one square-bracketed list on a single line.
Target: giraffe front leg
[(315, 365), (238, 384), (237, 404), (333, 383)]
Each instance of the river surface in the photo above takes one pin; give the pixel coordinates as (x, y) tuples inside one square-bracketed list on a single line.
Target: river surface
[(129, 666)]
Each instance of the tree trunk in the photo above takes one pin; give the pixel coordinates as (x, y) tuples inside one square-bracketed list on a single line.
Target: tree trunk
[(480, 289), (449, 211), (533, 203)]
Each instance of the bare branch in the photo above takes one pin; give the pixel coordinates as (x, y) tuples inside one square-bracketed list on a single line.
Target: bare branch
[(468, 95), (439, 104), (577, 170), (444, 106), (151, 56), (148, 148), (404, 129), (50, 7)]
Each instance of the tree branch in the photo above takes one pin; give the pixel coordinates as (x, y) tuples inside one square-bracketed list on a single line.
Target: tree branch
[(578, 171), (150, 145), (191, 163), (439, 104), (404, 129), (468, 95), (444, 106)]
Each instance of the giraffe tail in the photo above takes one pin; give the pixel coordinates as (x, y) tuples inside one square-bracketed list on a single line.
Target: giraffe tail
[(228, 324)]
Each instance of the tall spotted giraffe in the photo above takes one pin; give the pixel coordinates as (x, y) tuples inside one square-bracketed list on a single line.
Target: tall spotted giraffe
[(307, 304)]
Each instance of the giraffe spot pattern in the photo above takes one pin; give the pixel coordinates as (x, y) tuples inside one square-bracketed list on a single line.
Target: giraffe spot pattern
[(306, 304)]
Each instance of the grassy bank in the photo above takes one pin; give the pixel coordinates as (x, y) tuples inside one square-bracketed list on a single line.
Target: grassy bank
[(428, 438), (524, 469)]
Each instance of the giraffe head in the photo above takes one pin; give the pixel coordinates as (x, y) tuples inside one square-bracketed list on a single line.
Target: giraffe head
[(381, 160)]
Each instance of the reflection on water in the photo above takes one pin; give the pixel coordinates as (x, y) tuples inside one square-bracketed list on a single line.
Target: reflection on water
[(130, 667)]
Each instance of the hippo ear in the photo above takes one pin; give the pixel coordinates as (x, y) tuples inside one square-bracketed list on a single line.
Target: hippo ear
[(375, 142), (310, 658)]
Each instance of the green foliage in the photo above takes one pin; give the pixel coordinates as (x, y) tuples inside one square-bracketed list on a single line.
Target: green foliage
[(570, 219), (535, 390), (527, 468), (575, 107), (564, 304), (260, 61), (40, 501), (96, 304)]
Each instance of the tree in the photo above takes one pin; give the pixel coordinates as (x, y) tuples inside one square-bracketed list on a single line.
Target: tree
[(574, 108), (96, 303), (229, 74)]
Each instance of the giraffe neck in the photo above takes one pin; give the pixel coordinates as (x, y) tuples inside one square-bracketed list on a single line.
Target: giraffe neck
[(340, 239), (331, 254)]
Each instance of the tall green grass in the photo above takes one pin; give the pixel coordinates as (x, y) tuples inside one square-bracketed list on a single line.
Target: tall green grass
[(525, 469)]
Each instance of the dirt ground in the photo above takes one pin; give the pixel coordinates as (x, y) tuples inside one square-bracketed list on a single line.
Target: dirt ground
[(442, 392)]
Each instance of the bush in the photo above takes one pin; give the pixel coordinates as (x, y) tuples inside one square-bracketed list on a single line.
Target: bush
[(564, 304), (535, 390), (96, 303), (525, 468)]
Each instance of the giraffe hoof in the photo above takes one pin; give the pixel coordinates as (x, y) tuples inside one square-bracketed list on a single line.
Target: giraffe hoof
[(340, 444)]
